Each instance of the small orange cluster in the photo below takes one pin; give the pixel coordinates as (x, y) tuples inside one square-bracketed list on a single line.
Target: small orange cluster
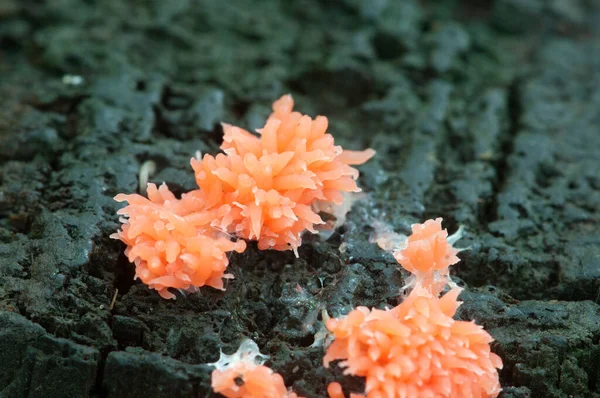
[(428, 255), (171, 242), (243, 375), (417, 349), (268, 189)]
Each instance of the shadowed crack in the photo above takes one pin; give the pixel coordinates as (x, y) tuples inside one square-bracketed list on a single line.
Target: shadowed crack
[(501, 165)]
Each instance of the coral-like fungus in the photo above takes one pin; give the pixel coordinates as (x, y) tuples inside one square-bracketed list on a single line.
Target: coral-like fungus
[(427, 248), (243, 375), (428, 254), (267, 187), (417, 349), (171, 242)]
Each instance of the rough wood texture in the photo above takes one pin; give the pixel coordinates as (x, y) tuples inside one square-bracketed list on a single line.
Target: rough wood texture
[(485, 115)]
